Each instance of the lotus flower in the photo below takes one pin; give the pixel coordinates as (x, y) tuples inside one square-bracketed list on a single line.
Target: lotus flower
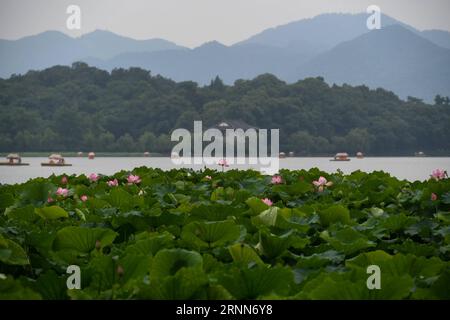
[(50, 200), (93, 177), (267, 201), (208, 177), (321, 183), (438, 174), (98, 245), (120, 271), (84, 198), (276, 179), (132, 179), (434, 197), (113, 183), (64, 180), (62, 192), (223, 163)]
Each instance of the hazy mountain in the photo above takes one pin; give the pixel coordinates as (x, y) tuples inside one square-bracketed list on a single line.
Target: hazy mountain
[(393, 58), (52, 47), (209, 60), (319, 33), (338, 47), (439, 37)]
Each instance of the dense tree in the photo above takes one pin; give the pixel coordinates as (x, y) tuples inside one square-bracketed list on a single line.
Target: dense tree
[(81, 108), (438, 100)]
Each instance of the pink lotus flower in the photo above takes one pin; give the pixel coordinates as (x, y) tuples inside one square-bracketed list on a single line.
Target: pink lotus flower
[(434, 197), (113, 183), (208, 177), (84, 198), (50, 200), (93, 177), (223, 163), (62, 192), (438, 174), (267, 201), (321, 183), (276, 179), (64, 180), (132, 179)]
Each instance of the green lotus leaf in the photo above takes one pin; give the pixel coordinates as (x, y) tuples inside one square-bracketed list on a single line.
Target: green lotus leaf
[(255, 282), (398, 265), (82, 240), (267, 217), (150, 244), (215, 212), (437, 291), (135, 267), (344, 286), (36, 192), (6, 200), (398, 222), (347, 240), (186, 283), (334, 214), (319, 260), (211, 234), (51, 286), (245, 255), (121, 199), (51, 213), (26, 214), (272, 245), (11, 289), (256, 205), (12, 253), (168, 262)]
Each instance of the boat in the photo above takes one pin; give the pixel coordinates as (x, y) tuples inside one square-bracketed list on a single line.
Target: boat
[(341, 156), (291, 154), (91, 155), (146, 154), (80, 154), (282, 155), (420, 154), (359, 155), (14, 160), (55, 160)]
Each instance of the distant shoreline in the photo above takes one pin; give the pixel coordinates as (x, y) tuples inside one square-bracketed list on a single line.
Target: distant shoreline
[(141, 154)]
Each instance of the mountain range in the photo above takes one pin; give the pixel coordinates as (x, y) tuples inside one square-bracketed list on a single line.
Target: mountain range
[(337, 47)]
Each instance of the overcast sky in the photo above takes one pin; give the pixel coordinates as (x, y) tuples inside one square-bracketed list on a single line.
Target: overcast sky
[(193, 22)]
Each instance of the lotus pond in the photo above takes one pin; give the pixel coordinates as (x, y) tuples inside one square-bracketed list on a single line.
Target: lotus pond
[(184, 234)]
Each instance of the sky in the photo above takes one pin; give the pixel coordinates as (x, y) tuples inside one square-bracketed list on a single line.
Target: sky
[(193, 22)]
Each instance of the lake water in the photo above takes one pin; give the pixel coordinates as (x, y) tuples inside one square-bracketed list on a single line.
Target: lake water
[(403, 168)]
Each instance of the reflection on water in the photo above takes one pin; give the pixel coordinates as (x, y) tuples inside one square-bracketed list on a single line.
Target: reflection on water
[(403, 168)]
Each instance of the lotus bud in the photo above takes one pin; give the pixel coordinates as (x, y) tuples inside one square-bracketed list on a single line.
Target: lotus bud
[(98, 245), (120, 271)]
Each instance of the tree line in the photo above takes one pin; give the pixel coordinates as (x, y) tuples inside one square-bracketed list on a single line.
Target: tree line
[(82, 108)]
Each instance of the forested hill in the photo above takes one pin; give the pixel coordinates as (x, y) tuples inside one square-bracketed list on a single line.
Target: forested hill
[(84, 108)]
